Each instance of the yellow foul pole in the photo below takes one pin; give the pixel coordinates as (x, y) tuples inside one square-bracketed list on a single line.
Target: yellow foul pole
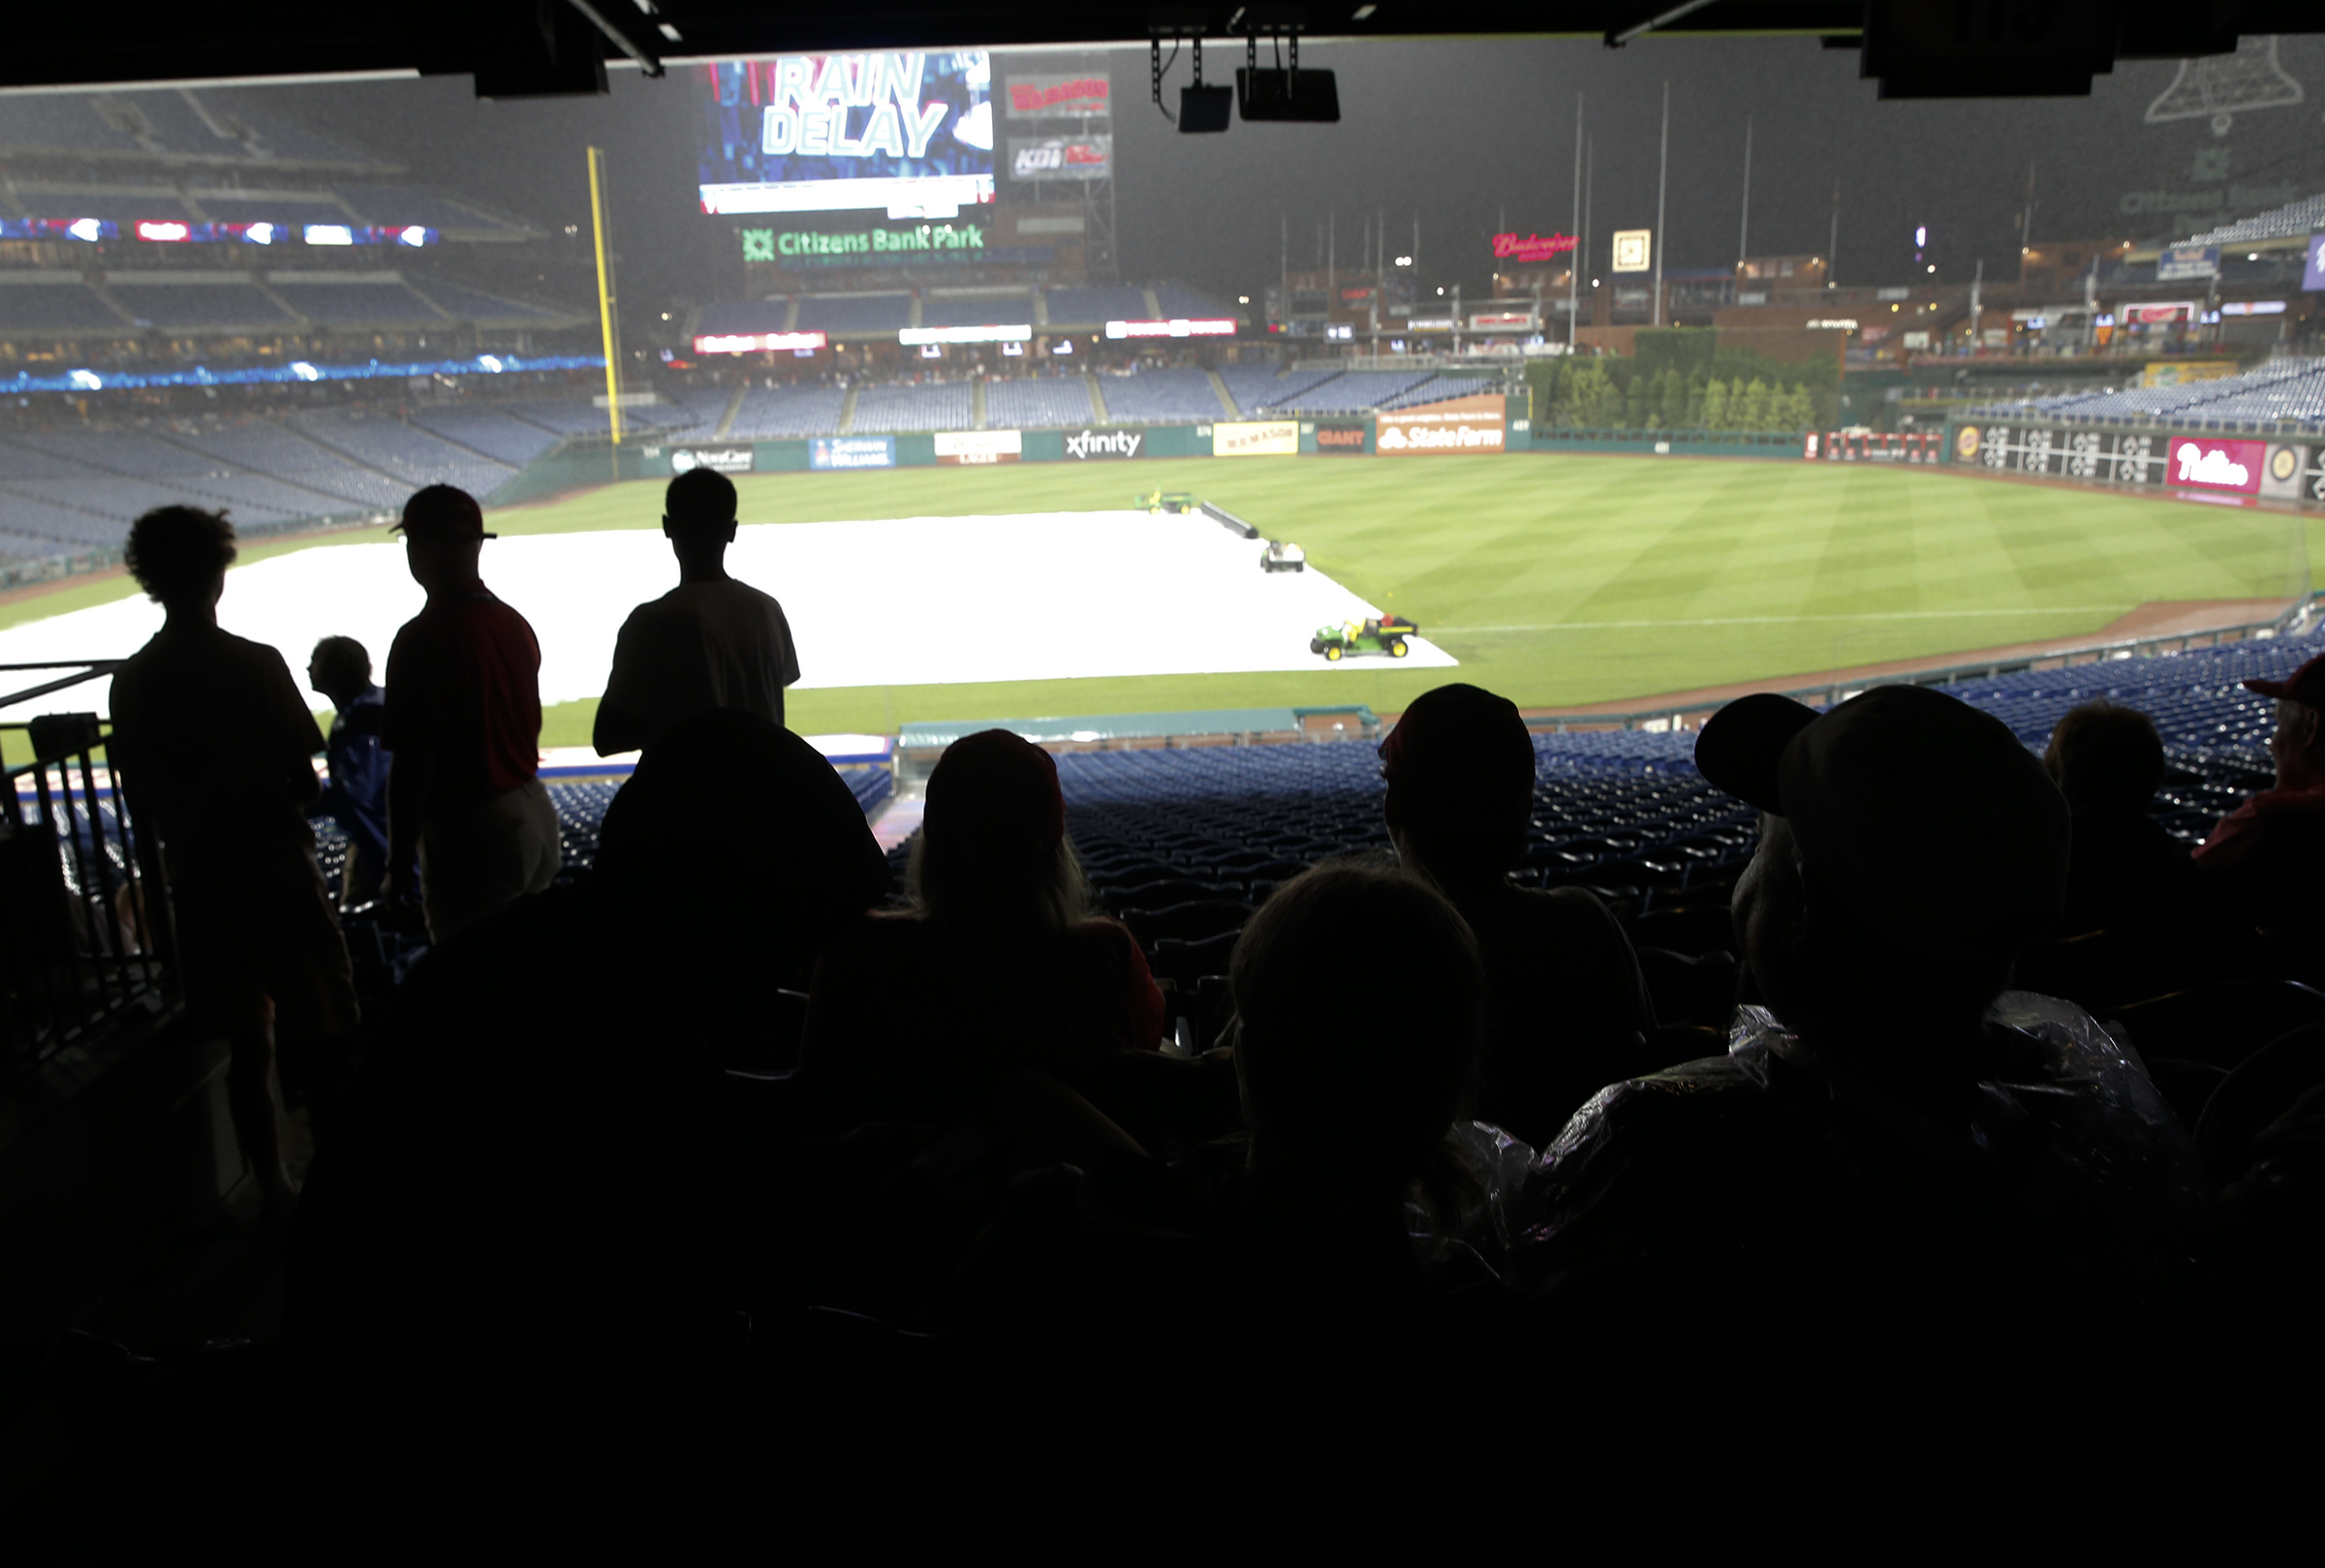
[(614, 348)]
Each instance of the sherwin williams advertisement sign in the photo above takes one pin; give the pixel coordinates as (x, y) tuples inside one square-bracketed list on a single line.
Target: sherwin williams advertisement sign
[(1460, 425), (1258, 438), (851, 451), (2216, 464)]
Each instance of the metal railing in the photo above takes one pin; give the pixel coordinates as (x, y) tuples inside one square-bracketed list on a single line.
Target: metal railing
[(2300, 616), (85, 920)]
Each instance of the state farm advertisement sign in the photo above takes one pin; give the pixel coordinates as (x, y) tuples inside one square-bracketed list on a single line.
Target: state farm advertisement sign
[(2216, 464), (1464, 424), (960, 449), (1257, 438)]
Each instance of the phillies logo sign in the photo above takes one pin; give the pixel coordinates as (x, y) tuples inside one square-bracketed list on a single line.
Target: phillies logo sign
[(1532, 248)]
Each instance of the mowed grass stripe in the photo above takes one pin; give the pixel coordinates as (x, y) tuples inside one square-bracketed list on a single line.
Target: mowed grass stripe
[(1555, 579)]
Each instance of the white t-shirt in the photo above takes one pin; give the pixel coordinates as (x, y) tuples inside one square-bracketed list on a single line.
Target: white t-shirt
[(702, 645)]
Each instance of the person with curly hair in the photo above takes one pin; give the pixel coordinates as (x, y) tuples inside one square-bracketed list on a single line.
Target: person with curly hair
[(215, 752)]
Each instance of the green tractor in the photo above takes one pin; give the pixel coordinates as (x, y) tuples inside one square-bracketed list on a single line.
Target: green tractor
[(1386, 636), (1157, 503)]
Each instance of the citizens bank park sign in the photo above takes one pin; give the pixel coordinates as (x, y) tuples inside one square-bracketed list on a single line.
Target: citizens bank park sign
[(2278, 469)]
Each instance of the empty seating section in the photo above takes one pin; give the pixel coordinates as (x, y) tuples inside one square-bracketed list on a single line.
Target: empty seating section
[(2289, 221), (1257, 386), (1351, 392), (861, 313), (366, 303), (1008, 310), (692, 410), (64, 307), (117, 451), (580, 416), (230, 207), (1031, 403), (1176, 301), (788, 410), (399, 206), (467, 305), (1436, 389), (1169, 396), (2280, 390), (1092, 307), (724, 317), (941, 407), (116, 206), (188, 304), (405, 452), (487, 431)]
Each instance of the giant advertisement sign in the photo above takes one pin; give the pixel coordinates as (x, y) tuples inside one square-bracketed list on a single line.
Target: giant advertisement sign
[(1048, 97), (1087, 445), (1461, 425), (1256, 438), (975, 448), (851, 451), (1061, 158), (1340, 438), (911, 133)]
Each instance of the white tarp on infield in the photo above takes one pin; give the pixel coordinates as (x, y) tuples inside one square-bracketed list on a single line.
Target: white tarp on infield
[(903, 602)]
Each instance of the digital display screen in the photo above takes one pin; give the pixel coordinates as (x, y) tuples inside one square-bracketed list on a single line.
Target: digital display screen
[(908, 134)]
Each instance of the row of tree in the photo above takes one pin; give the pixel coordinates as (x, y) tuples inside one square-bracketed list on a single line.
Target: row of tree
[(1684, 379)]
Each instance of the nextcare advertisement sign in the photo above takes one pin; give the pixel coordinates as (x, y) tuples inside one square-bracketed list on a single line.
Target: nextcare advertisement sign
[(1461, 425), (1089, 95), (911, 133), (1087, 445), (718, 459), (851, 451), (1061, 158), (959, 449), (1257, 438)]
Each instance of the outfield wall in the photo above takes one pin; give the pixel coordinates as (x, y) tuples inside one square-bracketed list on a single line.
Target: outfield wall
[(1481, 426), (2267, 466)]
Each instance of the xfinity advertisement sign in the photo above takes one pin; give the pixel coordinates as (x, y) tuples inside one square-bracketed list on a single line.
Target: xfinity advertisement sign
[(1087, 445)]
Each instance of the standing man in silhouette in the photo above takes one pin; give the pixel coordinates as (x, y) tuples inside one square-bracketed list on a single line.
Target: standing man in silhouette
[(216, 750), (710, 642), (463, 722)]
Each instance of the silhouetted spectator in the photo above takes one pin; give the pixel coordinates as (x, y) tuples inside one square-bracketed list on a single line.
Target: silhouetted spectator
[(354, 792), (2266, 859), (710, 642), (539, 1143), (1568, 1006), (1895, 1131), (998, 967), (463, 721), (2124, 871), (1359, 998), (216, 752)]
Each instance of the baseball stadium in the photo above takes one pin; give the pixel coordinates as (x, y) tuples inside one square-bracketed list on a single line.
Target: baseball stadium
[(1222, 489)]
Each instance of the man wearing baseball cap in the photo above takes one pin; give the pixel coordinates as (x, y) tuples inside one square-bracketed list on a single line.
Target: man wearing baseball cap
[(1893, 1126), (2266, 858), (463, 721)]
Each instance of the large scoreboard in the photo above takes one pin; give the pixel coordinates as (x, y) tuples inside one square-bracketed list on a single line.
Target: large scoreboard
[(2223, 465)]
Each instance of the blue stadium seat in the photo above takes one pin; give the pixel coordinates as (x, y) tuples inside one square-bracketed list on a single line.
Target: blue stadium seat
[(1032, 404), (1176, 395)]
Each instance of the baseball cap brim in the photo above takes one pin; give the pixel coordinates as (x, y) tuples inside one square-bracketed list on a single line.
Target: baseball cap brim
[(1741, 748), (2270, 689)]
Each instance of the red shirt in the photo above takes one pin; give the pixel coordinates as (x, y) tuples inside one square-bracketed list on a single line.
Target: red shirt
[(464, 696)]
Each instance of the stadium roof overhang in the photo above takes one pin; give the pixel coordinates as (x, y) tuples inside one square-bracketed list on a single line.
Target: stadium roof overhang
[(550, 47)]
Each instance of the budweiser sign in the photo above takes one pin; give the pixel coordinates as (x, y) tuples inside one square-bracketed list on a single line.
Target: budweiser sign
[(1532, 248)]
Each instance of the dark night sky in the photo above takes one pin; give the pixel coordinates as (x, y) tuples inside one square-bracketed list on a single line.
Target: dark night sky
[(1452, 133)]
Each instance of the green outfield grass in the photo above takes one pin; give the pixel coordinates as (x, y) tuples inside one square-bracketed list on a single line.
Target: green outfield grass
[(1555, 579)]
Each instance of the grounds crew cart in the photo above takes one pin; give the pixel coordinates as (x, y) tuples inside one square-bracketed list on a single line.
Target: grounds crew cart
[(1386, 636), (1160, 501)]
